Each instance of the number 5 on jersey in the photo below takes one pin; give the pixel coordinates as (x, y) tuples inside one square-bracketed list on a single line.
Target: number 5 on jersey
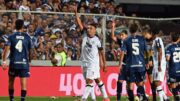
[(19, 46), (135, 47)]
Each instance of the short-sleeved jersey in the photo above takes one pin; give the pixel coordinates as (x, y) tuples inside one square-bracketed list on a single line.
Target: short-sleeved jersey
[(89, 50), (135, 46), (120, 43), (20, 44), (173, 51), (158, 43)]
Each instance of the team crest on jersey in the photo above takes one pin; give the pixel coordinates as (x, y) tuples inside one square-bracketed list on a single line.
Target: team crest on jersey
[(140, 62)]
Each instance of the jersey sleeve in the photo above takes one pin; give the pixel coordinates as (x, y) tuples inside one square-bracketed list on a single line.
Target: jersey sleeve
[(99, 45), (168, 51), (8, 42), (145, 46), (30, 45), (158, 42), (124, 46)]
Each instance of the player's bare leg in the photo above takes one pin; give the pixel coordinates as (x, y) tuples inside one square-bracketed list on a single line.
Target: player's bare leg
[(11, 88), (102, 89), (23, 81)]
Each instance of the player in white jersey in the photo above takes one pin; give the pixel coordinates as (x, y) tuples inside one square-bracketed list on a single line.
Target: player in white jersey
[(92, 57), (159, 62)]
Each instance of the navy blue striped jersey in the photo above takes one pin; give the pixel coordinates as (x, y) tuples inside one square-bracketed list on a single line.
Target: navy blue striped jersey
[(20, 45), (173, 51), (135, 47)]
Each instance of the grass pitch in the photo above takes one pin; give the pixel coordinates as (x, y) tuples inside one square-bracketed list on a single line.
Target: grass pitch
[(63, 99)]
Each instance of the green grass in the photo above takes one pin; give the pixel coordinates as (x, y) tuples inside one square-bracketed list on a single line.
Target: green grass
[(55, 99), (60, 99)]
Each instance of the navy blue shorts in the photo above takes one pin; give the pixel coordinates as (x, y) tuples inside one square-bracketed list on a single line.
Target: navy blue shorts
[(123, 75), (135, 76), (173, 79), (19, 72)]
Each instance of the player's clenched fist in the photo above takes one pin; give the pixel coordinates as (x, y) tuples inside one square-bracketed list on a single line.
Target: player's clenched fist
[(4, 65)]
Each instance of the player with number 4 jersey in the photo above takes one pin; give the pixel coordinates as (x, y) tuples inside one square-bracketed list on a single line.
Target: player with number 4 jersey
[(19, 44)]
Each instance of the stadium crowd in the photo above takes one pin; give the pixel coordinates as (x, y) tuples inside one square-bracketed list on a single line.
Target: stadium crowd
[(48, 31)]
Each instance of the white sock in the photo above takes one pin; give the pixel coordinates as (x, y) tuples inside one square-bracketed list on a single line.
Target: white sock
[(92, 93), (87, 91), (161, 94), (102, 89)]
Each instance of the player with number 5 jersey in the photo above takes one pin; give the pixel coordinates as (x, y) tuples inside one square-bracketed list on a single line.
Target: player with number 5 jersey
[(135, 46)]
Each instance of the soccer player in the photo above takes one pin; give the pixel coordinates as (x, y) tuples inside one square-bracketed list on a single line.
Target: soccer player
[(92, 57), (159, 62), (134, 46), (173, 59), (19, 44), (148, 36), (122, 75)]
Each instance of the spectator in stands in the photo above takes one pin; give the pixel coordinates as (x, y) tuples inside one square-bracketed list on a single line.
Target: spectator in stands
[(59, 56), (24, 7), (2, 5)]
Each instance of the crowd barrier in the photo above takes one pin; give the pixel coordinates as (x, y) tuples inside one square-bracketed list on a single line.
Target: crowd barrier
[(65, 81)]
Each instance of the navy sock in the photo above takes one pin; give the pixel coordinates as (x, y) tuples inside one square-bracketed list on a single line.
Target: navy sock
[(23, 95), (153, 89), (119, 90), (131, 95), (11, 94), (175, 93), (141, 93), (178, 87)]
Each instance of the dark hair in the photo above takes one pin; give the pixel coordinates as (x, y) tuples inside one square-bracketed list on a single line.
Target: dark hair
[(155, 30), (124, 31), (133, 28), (93, 24), (175, 37), (19, 24)]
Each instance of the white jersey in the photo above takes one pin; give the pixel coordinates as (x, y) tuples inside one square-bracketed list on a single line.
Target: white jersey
[(158, 43), (89, 52)]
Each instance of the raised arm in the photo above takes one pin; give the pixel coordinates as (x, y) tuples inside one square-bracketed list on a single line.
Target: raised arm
[(112, 31), (77, 18)]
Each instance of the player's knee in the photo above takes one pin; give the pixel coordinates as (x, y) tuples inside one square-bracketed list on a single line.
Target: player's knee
[(140, 84), (157, 83), (120, 81), (89, 81), (98, 80)]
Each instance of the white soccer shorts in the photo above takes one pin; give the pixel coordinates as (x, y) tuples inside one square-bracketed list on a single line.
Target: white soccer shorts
[(159, 76), (91, 73)]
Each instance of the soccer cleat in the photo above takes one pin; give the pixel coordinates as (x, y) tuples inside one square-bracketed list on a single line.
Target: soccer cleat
[(106, 99), (136, 98)]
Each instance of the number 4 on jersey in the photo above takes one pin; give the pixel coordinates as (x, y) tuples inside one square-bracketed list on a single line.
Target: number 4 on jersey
[(19, 46), (176, 56)]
